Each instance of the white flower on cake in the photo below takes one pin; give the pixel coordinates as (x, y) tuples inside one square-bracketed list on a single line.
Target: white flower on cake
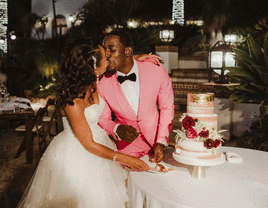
[(193, 129)]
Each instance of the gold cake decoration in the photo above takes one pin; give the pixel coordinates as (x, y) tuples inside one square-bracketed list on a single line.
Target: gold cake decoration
[(210, 98), (195, 98)]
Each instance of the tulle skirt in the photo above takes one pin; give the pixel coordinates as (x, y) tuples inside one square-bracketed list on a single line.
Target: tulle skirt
[(70, 176)]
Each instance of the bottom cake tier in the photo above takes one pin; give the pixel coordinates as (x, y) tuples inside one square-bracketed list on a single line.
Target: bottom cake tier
[(195, 161)]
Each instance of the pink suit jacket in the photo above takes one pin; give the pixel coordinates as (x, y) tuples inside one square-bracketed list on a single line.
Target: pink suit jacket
[(155, 86)]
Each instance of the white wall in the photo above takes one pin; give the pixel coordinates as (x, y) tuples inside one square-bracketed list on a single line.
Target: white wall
[(235, 117), (243, 116), (222, 109), (192, 64), (170, 60)]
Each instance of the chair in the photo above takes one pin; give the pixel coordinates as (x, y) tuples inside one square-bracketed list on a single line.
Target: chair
[(35, 128), (50, 102), (53, 117), (48, 126), (38, 130)]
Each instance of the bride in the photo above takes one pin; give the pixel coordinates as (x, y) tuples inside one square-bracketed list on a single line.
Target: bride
[(81, 166)]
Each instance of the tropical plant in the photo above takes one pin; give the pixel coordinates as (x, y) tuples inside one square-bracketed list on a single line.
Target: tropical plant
[(256, 137), (144, 39), (48, 69), (251, 72), (47, 64)]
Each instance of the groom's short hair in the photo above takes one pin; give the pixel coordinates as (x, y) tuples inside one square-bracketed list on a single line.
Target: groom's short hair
[(125, 38)]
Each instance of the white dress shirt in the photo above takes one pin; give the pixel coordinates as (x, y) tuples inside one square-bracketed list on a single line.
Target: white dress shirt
[(132, 89)]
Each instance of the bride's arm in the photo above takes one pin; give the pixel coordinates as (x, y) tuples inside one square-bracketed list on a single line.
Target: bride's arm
[(81, 129), (149, 57)]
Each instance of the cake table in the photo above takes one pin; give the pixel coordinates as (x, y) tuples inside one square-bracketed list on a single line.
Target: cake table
[(199, 165)]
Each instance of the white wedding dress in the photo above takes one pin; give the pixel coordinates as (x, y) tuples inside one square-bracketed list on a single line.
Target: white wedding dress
[(70, 176)]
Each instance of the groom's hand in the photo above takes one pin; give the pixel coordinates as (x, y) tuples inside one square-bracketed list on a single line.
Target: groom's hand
[(158, 153), (127, 133)]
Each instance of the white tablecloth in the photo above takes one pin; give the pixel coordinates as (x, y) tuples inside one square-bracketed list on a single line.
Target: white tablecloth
[(232, 185), (13, 103)]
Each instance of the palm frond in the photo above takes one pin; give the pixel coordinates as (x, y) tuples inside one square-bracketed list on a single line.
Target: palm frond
[(243, 75), (247, 88), (255, 51), (265, 47)]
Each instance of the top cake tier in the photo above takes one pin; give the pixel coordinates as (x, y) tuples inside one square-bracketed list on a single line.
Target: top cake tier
[(200, 103)]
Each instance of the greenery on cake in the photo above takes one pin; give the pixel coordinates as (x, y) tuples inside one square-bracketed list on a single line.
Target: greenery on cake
[(193, 129)]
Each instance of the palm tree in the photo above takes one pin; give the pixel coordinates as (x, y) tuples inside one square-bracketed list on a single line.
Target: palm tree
[(120, 10), (214, 17)]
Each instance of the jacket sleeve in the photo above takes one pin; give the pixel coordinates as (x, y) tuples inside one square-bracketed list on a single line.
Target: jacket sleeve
[(166, 105)]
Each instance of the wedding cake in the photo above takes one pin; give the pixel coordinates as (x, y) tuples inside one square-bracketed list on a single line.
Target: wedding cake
[(198, 140)]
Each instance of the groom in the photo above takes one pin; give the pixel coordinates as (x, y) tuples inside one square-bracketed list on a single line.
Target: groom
[(132, 93)]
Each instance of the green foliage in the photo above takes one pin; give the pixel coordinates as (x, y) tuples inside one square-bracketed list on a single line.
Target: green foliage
[(256, 137), (144, 39), (47, 64), (48, 71), (94, 20), (202, 42), (251, 72)]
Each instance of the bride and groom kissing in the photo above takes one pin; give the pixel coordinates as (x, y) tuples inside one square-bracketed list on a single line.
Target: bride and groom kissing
[(82, 166)]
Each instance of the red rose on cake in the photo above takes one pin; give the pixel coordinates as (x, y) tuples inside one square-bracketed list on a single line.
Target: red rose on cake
[(193, 129), (191, 133), (188, 122), (209, 143), (217, 143), (204, 133)]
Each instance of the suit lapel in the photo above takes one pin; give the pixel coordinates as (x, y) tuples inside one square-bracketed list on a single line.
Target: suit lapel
[(122, 100), (143, 91)]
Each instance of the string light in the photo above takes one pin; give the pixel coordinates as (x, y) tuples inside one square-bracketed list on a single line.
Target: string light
[(3, 25), (178, 12)]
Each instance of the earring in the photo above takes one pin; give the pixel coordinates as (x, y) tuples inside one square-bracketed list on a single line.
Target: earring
[(95, 62), (98, 78)]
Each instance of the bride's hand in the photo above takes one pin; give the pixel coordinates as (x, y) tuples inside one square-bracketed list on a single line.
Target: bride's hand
[(137, 165), (149, 57)]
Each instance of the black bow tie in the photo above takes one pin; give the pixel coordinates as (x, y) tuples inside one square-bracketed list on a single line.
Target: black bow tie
[(131, 77)]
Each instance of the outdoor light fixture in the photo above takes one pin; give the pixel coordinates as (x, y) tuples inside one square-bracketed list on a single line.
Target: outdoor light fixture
[(220, 56), (71, 18), (132, 24), (166, 35), (230, 39), (13, 36)]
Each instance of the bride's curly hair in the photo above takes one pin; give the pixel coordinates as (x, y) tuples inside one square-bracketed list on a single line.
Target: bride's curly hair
[(81, 57)]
